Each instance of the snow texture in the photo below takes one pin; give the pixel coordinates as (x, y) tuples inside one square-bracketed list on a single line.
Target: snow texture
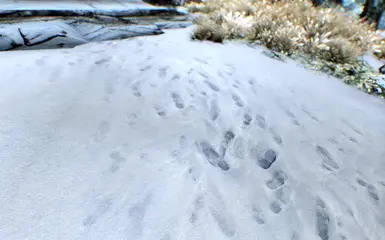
[(107, 21), (11, 9), (92, 5), (174, 24), (164, 138), (60, 33)]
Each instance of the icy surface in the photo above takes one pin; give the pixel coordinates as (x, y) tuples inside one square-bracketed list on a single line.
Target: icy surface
[(72, 5), (118, 8), (171, 25), (164, 138), (115, 19), (60, 33)]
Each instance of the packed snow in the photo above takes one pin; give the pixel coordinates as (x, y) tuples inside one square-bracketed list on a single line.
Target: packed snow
[(116, 8), (70, 33), (85, 5), (65, 24), (165, 138)]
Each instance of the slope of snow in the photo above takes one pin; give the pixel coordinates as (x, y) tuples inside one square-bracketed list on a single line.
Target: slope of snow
[(164, 138)]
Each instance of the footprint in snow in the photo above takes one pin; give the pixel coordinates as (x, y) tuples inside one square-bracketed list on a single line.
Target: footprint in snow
[(276, 137), (213, 156), (247, 119), (162, 72), (201, 60), (238, 101), (268, 159), (275, 207), (328, 162), (283, 194), (261, 122), (371, 190), (160, 111), (175, 78), (101, 209), (212, 86), (214, 110), (135, 90), (322, 220), (239, 148), (310, 115), (198, 205), (278, 179), (258, 215), (228, 138), (117, 160), (224, 225), (145, 68), (292, 116), (178, 100), (101, 61)]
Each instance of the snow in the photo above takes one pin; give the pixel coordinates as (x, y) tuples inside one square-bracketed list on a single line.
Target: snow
[(60, 33), (172, 25), (163, 138), (372, 61), (17, 32), (74, 5), (376, 65), (10, 9)]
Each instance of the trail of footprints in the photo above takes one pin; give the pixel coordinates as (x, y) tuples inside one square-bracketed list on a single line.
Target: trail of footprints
[(282, 192), (278, 182)]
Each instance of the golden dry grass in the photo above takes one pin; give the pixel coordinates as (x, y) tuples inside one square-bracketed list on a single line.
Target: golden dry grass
[(288, 26), (205, 31), (326, 38)]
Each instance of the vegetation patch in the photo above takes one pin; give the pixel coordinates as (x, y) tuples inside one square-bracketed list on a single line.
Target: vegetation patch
[(330, 38)]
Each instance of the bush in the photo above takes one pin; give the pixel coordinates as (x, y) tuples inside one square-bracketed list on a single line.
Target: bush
[(207, 29), (290, 26), (324, 38)]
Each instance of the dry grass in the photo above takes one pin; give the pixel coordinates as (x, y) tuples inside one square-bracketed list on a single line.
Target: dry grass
[(329, 35), (206, 31), (289, 26)]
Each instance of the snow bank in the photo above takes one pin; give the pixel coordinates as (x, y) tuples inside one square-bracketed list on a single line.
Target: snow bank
[(164, 138)]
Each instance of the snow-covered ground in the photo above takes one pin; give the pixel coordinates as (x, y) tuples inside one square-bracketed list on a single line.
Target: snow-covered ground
[(6, 5), (164, 138), (70, 33), (32, 24), (118, 8)]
